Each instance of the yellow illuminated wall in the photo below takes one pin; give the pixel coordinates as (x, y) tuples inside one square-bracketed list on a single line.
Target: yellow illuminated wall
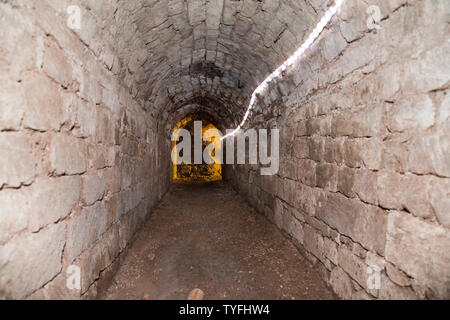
[(194, 173)]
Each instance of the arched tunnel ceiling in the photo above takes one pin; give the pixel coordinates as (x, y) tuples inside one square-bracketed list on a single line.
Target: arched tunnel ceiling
[(172, 52), (218, 114)]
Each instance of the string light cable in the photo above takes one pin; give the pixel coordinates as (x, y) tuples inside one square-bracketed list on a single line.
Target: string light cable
[(329, 14)]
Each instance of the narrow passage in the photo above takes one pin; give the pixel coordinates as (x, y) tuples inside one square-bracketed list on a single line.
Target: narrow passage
[(207, 237)]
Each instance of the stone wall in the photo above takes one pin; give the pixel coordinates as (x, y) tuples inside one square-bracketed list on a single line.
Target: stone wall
[(80, 167), (85, 118), (365, 162)]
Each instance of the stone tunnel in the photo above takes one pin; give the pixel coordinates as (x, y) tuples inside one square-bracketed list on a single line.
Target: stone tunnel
[(91, 91)]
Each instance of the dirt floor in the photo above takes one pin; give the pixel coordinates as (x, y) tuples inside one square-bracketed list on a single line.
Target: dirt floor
[(206, 236)]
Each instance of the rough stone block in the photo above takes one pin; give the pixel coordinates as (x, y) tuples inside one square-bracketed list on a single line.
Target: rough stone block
[(397, 276), (13, 212), (329, 150), (196, 12), (439, 195), (56, 289), (17, 162), (354, 266), (300, 148), (98, 258), (86, 119), (68, 155), (45, 106), (346, 181), (331, 250), (94, 187), (351, 154), (293, 227), (105, 132), (286, 190), (306, 199), (359, 250), (313, 242), (127, 229), (364, 224), (16, 57), (50, 200), (56, 64), (12, 105), (84, 228), (415, 112), (421, 249), (431, 72), (327, 176), (317, 148), (341, 126), (390, 82), (30, 261), (306, 172), (391, 291), (249, 8), (369, 122), (400, 192), (213, 14), (341, 283), (333, 45), (430, 153), (370, 152), (365, 186), (175, 7)]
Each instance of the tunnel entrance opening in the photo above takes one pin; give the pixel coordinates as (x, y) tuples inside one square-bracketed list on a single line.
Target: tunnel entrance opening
[(189, 173)]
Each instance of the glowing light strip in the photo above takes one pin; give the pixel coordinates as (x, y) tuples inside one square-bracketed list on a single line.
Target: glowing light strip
[(289, 62)]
